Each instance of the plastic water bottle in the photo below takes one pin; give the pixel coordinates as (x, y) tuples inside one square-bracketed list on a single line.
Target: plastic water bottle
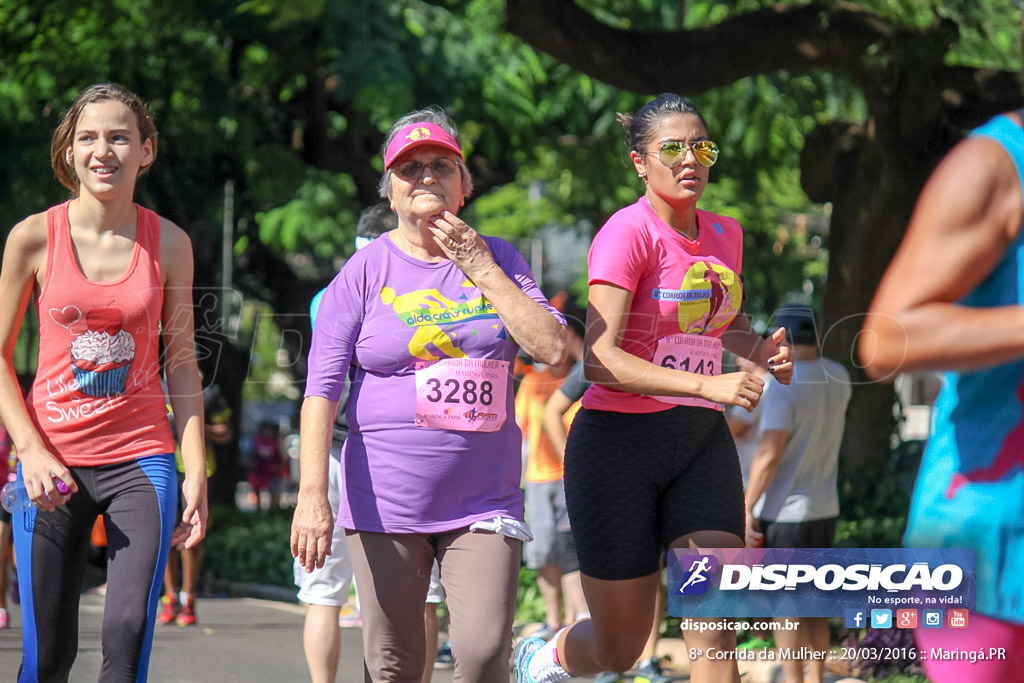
[(14, 495)]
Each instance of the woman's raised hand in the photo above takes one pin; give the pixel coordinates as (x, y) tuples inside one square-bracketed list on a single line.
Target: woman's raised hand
[(461, 243)]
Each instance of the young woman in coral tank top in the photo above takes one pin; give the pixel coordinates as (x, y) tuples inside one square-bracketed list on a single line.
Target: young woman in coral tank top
[(108, 277)]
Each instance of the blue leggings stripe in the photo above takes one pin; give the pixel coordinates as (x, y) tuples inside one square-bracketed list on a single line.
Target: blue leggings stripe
[(25, 520), (163, 473)]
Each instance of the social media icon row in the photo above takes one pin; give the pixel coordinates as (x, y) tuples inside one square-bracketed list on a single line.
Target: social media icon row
[(905, 618)]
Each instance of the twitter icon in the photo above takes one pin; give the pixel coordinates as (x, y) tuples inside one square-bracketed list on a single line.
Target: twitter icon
[(881, 618)]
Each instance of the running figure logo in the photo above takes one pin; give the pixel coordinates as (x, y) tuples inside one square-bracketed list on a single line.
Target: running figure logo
[(696, 580)]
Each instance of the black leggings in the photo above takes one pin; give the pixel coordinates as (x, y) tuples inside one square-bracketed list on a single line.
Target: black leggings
[(137, 500), (635, 482)]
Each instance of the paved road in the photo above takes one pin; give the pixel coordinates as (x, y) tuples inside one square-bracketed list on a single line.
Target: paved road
[(238, 640)]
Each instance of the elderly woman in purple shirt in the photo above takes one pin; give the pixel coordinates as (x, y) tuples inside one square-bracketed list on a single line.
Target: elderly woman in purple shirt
[(428, 319)]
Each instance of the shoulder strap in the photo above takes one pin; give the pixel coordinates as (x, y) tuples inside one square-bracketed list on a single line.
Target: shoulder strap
[(57, 224), (148, 233)]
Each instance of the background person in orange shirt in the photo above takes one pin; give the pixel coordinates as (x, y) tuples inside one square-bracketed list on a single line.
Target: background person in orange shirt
[(551, 552)]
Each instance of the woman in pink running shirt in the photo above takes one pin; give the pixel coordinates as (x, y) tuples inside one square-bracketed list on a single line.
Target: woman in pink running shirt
[(650, 464)]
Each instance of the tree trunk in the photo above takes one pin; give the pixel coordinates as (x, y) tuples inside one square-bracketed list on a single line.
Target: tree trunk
[(873, 192), (224, 364)]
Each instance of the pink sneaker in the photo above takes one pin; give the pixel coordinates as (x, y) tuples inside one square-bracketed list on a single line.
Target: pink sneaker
[(3, 618)]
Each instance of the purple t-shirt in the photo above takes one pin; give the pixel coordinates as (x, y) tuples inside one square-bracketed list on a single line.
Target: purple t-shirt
[(384, 313)]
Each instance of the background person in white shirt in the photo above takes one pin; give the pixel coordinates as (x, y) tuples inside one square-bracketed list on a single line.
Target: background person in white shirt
[(792, 499)]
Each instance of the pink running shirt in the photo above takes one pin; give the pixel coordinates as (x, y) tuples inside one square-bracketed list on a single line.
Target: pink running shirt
[(679, 286)]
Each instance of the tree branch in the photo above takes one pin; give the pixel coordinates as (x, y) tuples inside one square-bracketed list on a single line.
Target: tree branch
[(797, 38), (972, 96)]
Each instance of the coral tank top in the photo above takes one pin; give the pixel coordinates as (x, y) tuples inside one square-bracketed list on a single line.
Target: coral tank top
[(97, 397)]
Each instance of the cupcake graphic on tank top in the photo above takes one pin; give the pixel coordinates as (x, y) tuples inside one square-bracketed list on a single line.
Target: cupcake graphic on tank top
[(102, 355)]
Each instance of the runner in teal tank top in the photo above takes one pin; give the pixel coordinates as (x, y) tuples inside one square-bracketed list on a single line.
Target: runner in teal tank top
[(953, 299)]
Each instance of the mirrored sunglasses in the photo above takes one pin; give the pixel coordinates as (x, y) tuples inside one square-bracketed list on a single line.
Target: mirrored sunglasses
[(673, 152), (413, 170)]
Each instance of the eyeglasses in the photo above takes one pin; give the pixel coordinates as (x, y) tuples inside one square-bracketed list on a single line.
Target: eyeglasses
[(673, 152), (412, 170)]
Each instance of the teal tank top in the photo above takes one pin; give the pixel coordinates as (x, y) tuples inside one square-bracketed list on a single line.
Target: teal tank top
[(970, 488)]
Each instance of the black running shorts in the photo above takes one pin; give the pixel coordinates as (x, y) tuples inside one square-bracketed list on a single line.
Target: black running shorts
[(817, 533), (636, 482)]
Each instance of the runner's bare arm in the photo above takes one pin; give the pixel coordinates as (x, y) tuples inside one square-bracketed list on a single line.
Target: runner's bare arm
[(313, 521), (608, 364), (24, 263), (183, 385), (762, 472), (554, 409), (969, 211)]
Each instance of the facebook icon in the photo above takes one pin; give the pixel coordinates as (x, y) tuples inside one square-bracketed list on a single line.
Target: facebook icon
[(855, 618)]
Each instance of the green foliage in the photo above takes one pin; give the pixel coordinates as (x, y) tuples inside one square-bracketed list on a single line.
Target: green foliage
[(229, 84), (561, 186), (252, 91), (50, 51), (266, 381), (760, 124), (990, 35), (320, 220), (250, 547), (26, 349), (529, 602), (900, 678), (873, 510), (283, 14)]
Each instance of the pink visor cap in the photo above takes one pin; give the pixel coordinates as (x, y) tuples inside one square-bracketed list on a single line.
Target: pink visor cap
[(417, 135)]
